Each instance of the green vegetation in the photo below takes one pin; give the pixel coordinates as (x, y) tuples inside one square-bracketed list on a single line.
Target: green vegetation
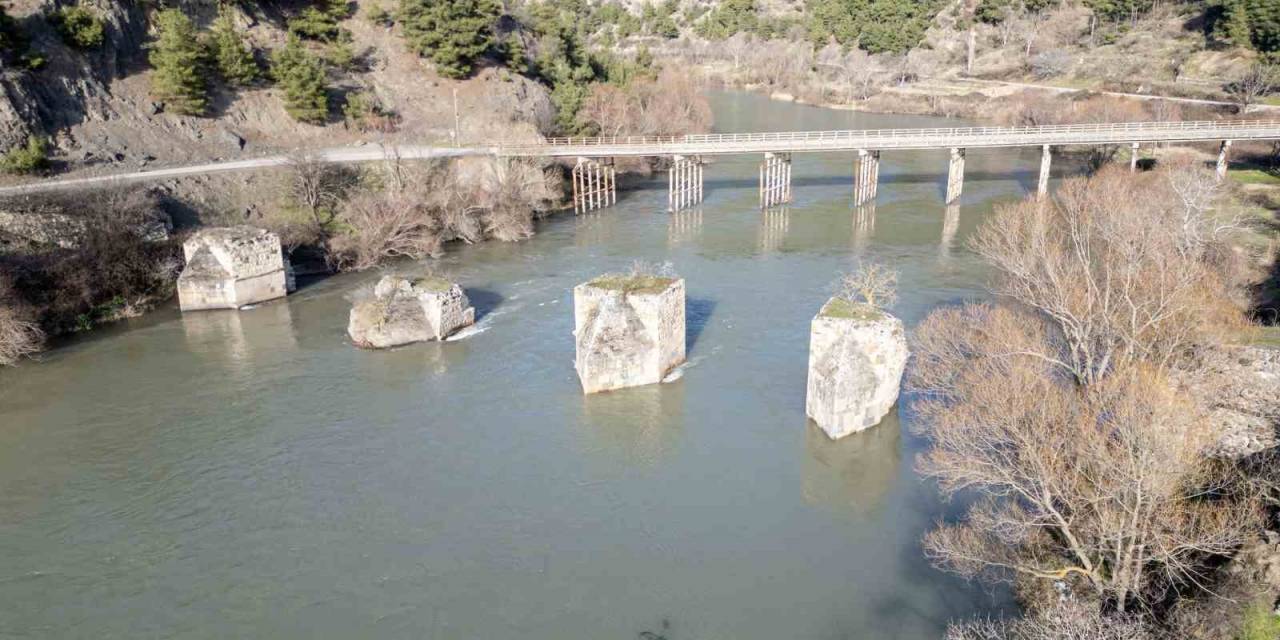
[(301, 75), (433, 283), (179, 59), (451, 33), (29, 158), (731, 17), (876, 26), (320, 22), (845, 309), (79, 27), (629, 283), (15, 45), (1248, 23), (379, 15), (233, 56), (1118, 10), (1260, 623)]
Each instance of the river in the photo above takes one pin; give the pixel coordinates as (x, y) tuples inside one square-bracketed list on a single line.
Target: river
[(252, 474)]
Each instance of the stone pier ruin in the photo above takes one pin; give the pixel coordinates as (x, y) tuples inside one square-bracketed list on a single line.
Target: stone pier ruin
[(857, 354), (231, 267), (403, 310), (1046, 159), (629, 330), (1224, 153)]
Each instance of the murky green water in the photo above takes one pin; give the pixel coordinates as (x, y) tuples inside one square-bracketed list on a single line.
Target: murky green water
[(252, 474)]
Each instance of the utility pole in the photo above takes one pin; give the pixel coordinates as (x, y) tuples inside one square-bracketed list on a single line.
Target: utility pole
[(457, 129)]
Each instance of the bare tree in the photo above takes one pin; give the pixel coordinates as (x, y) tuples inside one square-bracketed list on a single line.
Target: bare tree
[(1105, 487), (318, 188), (1121, 269), (870, 283), (1253, 86), (1070, 620)]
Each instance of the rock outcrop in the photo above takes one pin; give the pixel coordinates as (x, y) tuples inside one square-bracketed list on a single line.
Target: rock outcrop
[(857, 354), (402, 311), (230, 267), (629, 330)]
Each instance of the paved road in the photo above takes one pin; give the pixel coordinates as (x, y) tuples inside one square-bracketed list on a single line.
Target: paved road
[(340, 154), (1119, 94)]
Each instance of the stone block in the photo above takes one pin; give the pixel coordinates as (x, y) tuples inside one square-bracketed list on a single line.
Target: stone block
[(402, 311), (857, 354), (231, 267), (629, 330)]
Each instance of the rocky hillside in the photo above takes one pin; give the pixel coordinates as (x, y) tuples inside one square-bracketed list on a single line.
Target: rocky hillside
[(97, 105)]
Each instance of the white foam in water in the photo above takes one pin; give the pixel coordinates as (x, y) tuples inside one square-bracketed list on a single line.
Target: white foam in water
[(678, 372)]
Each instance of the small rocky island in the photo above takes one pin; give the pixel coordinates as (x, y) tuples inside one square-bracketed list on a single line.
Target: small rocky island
[(628, 329), (232, 267), (857, 353), (404, 310)]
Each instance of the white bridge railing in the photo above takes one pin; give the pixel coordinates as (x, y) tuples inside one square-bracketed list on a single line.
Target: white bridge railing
[(899, 138)]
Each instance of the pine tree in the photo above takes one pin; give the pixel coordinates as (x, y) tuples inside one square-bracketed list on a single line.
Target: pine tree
[(179, 60), (301, 74), (234, 57), (451, 33)]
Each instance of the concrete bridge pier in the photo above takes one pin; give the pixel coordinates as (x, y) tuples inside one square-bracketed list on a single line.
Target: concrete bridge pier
[(1223, 153), (1046, 158), (955, 176), (684, 183), (1133, 157), (866, 176), (594, 185), (775, 179)]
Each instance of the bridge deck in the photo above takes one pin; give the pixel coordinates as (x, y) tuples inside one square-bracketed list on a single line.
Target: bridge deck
[(880, 139)]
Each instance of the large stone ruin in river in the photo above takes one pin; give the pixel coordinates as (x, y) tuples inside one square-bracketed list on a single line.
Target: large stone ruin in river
[(628, 329), (231, 267), (404, 310), (857, 354)]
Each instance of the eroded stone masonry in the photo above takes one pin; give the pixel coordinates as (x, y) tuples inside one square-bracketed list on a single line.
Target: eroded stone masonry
[(857, 354), (231, 267), (403, 310), (629, 330)]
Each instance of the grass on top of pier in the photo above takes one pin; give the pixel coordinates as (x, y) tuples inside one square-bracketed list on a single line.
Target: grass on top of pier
[(846, 310), (432, 283), (632, 283)]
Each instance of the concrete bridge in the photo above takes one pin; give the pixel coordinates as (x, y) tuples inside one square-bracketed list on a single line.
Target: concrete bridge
[(593, 175), (594, 185)]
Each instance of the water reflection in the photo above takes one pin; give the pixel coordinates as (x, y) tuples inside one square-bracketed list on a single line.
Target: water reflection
[(864, 226), (635, 427), (592, 229), (234, 336), (950, 223), (684, 226), (774, 224), (853, 474)]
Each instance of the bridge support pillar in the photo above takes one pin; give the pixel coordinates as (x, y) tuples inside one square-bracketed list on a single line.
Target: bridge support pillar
[(866, 176), (955, 176), (684, 183), (775, 179), (594, 186), (1223, 153), (1133, 157), (1046, 158)]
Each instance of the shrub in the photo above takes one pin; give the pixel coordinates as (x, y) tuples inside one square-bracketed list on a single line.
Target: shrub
[(29, 158), (179, 60), (379, 15), (1051, 63), (233, 56), (19, 336), (301, 74), (869, 283), (451, 33), (79, 27), (1260, 623)]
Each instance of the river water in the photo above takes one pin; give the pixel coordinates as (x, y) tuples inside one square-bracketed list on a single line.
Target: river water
[(252, 474)]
